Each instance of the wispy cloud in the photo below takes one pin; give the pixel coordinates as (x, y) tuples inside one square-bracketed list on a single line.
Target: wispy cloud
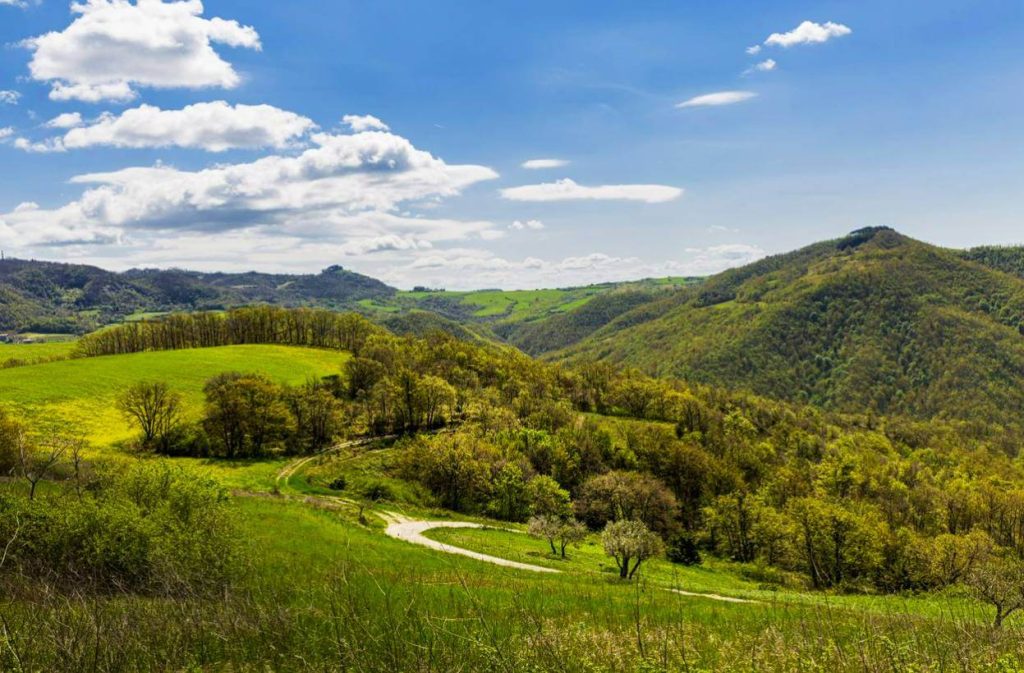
[(540, 164), (568, 190), (717, 98)]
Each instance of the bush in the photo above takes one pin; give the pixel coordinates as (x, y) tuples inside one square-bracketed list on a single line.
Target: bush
[(375, 491), (338, 484), (683, 550), (149, 529)]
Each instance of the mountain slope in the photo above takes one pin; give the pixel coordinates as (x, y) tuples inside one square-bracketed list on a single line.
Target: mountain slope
[(54, 297), (873, 321)]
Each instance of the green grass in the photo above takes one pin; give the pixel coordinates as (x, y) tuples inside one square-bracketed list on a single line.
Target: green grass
[(36, 352), (81, 393)]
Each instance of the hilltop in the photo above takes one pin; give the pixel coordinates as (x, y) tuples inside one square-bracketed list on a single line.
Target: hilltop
[(874, 321)]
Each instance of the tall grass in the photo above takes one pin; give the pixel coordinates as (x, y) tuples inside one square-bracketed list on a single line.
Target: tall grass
[(322, 595)]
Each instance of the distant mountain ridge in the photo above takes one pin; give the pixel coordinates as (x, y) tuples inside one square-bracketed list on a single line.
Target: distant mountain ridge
[(56, 297)]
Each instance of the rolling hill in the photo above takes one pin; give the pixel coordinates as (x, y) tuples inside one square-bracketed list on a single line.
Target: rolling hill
[(52, 297), (873, 321)]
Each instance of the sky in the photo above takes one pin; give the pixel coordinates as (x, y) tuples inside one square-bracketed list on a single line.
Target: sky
[(466, 144)]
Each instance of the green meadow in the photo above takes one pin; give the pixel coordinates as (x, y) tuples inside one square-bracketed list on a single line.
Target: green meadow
[(80, 394)]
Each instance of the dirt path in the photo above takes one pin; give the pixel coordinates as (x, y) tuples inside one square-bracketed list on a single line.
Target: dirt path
[(713, 597), (402, 528), (408, 530), (289, 470)]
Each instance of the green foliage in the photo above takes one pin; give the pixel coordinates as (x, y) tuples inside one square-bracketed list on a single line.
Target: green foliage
[(150, 528), (875, 322)]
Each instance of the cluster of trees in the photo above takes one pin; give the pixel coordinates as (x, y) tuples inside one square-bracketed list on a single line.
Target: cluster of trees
[(147, 527), (317, 328), (851, 501), (244, 416)]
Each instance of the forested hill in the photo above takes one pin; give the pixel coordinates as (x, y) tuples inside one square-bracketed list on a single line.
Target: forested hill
[(873, 321), (53, 297)]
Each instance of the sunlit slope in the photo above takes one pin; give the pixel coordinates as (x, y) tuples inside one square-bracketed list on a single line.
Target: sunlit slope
[(80, 394), (875, 321)]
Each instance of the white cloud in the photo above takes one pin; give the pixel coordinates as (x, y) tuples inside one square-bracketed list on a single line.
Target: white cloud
[(118, 92), (717, 98), (26, 206), (540, 164), (808, 32), (360, 123), (8, 97), (6, 132), (754, 50), (67, 120), (346, 186), (535, 225), (568, 190), (47, 146), (766, 66), (214, 127), (114, 45)]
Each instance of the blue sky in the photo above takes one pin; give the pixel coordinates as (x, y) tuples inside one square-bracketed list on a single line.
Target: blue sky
[(906, 114)]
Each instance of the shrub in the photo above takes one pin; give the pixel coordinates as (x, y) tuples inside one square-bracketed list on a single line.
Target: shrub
[(683, 550)]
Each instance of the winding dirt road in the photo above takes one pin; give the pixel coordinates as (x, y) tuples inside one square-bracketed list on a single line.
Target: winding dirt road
[(407, 530)]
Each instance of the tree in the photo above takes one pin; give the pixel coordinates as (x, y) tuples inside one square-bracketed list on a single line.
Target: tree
[(630, 543), (563, 532), (317, 417), (509, 500), (547, 498), (621, 495), (244, 414), (1000, 583), (155, 408), (36, 463)]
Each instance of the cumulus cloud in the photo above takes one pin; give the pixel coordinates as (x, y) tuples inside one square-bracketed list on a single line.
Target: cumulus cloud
[(535, 225), (754, 50), (6, 132), (717, 98), (808, 32), (568, 190), (8, 97), (540, 164), (41, 147), (360, 123), (346, 186), (67, 120), (766, 66), (113, 46), (214, 127)]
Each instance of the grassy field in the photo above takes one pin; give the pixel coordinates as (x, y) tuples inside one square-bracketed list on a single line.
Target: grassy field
[(80, 393), (36, 352)]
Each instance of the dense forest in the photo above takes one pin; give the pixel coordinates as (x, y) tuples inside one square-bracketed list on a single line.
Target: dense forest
[(871, 322)]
